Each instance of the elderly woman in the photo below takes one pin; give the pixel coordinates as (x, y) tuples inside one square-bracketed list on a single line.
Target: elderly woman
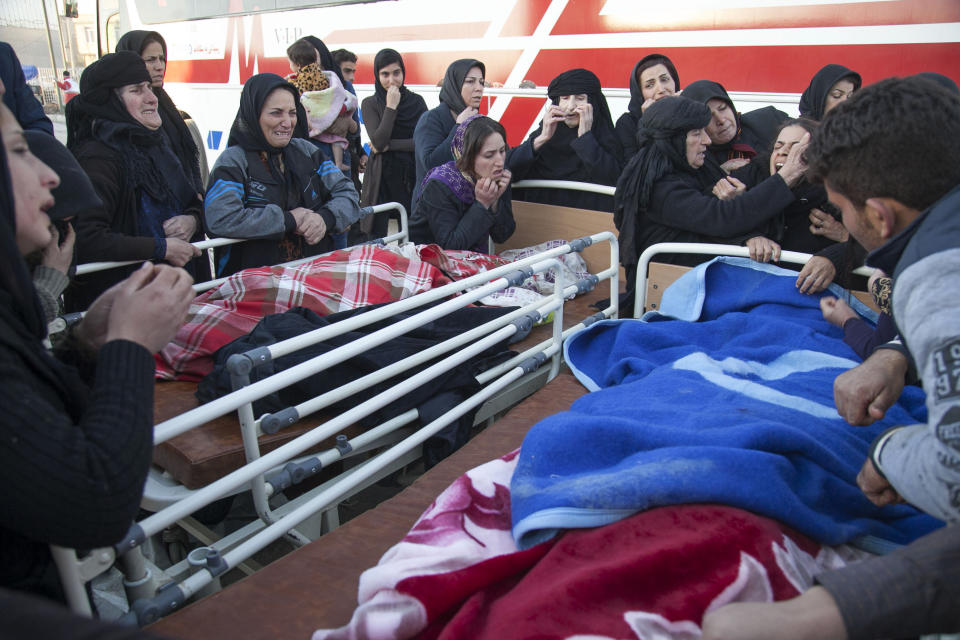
[(575, 141), (76, 433), (151, 209), (390, 116), (664, 192), (460, 96), (830, 86), (466, 201), (151, 46), (653, 78), (276, 189), (734, 138)]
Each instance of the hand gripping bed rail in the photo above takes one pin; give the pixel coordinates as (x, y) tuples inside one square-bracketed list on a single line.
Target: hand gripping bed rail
[(177, 511), (643, 263), (147, 611), (231, 402)]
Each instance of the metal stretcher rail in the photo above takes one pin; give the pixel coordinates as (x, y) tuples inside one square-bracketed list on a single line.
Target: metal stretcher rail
[(646, 257)]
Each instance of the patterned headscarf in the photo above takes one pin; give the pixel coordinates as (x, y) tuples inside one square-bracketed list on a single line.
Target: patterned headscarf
[(459, 183)]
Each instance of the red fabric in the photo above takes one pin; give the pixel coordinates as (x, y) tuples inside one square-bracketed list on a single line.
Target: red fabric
[(337, 281)]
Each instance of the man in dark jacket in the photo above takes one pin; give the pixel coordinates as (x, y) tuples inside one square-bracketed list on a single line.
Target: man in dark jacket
[(17, 95), (889, 160)]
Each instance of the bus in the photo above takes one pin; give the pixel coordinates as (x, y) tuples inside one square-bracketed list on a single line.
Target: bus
[(764, 52)]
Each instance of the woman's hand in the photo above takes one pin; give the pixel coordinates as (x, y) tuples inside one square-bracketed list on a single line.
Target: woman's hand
[(551, 119), (586, 118), (59, 256), (310, 225), (147, 308), (393, 97), (487, 192), (646, 104), (503, 180), (763, 249), (836, 311), (728, 188), (816, 275), (795, 165), (824, 224), (182, 227), (735, 163), (179, 252), (466, 113)]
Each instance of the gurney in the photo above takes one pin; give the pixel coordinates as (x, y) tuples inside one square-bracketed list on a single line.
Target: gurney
[(314, 587)]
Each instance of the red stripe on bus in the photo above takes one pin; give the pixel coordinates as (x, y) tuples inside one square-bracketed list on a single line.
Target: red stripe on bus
[(583, 16), (783, 69)]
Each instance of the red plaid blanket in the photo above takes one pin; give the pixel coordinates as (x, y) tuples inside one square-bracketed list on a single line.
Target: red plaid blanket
[(337, 281)]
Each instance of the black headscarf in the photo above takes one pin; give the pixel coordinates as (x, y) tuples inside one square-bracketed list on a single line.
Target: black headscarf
[(941, 80), (662, 140), (147, 161), (246, 131), (636, 91), (453, 82), (181, 141), (409, 109), (813, 102), (75, 193), (556, 160), (17, 296), (705, 90), (326, 59)]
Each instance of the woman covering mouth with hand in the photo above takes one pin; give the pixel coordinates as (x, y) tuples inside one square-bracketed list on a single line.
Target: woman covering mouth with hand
[(575, 141), (151, 209), (273, 186), (467, 200)]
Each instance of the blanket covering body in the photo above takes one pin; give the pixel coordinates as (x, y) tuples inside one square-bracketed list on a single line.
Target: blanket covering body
[(736, 408)]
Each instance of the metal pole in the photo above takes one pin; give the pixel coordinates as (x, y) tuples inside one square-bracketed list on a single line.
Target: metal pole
[(53, 61)]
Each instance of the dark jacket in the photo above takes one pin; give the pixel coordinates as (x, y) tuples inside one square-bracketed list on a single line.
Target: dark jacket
[(18, 96), (680, 212), (595, 164), (112, 232), (443, 219), (431, 140), (73, 456), (245, 200)]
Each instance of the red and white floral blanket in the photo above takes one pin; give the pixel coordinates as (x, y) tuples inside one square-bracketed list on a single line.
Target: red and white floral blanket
[(458, 573)]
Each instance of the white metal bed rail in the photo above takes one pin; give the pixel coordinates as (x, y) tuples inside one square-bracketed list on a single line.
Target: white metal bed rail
[(570, 185), (704, 248)]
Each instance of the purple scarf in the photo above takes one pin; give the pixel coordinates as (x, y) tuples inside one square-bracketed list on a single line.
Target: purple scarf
[(448, 173)]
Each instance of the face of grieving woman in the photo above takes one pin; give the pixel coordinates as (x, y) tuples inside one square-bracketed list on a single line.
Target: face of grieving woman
[(141, 103), (656, 82), (781, 148), (571, 107), (472, 88), (278, 117), (32, 182), (723, 121), (697, 143), (488, 163), (156, 62)]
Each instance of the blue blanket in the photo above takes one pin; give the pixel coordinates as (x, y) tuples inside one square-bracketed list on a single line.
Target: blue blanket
[(735, 408)]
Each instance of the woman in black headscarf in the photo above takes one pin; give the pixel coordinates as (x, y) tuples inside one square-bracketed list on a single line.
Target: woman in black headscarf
[(460, 97), (152, 48), (735, 138), (151, 209), (75, 431), (653, 78), (575, 141), (664, 192), (830, 86), (272, 185), (390, 116)]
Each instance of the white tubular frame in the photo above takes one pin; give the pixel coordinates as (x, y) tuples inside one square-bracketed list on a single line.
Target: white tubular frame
[(565, 184), (705, 248), (401, 236)]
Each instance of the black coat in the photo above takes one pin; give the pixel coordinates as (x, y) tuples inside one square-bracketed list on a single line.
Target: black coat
[(441, 218)]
